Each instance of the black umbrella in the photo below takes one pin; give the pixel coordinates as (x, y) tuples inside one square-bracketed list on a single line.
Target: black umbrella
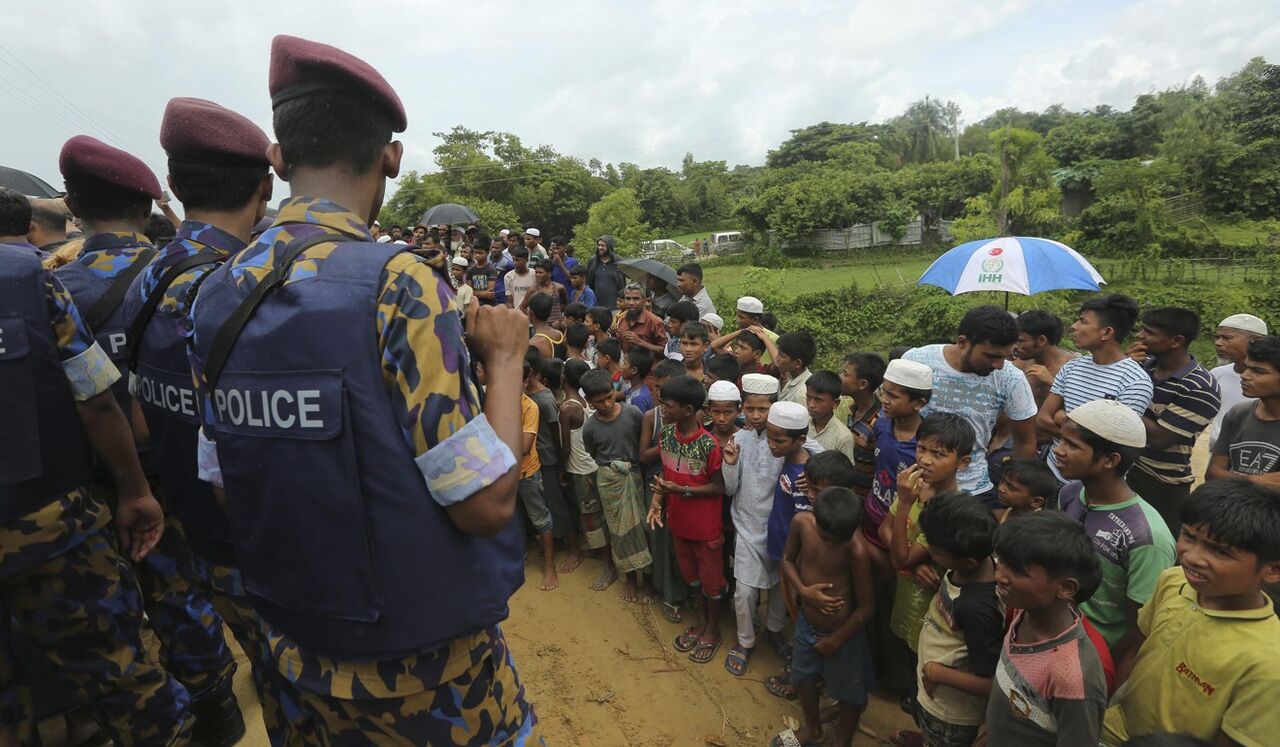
[(26, 184), (449, 213), (639, 269)]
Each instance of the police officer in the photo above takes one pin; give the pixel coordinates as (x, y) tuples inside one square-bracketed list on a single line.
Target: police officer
[(113, 211), (218, 169), (61, 579), (371, 495)]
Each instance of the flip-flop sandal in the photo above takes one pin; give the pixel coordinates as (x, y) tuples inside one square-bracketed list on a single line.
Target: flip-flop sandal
[(672, 613), (686, 641), (704, 652), (737, 660), (788, 738), (906, 738), (780, 686)]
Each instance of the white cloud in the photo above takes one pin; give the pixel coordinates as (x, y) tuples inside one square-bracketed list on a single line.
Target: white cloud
[(635, 81)]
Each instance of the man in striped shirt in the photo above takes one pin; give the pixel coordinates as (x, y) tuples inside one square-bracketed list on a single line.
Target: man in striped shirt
[(1186, 401), (1106, 372)]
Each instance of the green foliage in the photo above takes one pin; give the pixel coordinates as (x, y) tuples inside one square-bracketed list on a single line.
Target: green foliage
[(618, 215), (1129, 217)]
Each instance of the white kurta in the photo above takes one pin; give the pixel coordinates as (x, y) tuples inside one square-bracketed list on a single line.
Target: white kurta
[(752, 482)]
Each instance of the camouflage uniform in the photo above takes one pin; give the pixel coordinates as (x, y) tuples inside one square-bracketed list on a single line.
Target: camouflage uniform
[(284, 719), (66, 587), (192, 646), (467, 691)]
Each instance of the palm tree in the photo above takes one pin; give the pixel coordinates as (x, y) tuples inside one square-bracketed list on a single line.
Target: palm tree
[(924, 123), (952, 113)]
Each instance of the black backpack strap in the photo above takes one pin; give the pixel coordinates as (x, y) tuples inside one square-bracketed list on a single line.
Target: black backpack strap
[(230, 330), (111, 300), (139, 326)]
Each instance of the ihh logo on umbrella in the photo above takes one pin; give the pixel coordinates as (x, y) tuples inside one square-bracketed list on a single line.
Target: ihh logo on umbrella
[(991, 270)]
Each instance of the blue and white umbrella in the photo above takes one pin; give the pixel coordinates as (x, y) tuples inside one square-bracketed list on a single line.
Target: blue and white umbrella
[(1013, 264)]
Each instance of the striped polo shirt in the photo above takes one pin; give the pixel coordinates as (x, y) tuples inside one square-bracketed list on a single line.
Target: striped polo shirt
[(1185, 403), (1081, 380)]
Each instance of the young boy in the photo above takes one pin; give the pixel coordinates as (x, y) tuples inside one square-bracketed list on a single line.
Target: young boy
[(576, 339), (832, 574), (694, 341), (635, 369), (532, 495), (520, 280), (666, 571), (612, 437), (1100, 441), (1248, 444), (581, 292), (822, 394), (692, 490), (1026, 486), (722, 368), (599, 322), (787, 429), (944, 442), (1050, 686), (904, 393), (575, 313), (609, 360), (724, 405), (860, 379), (680, 314), (544, 391), (1210, 639), (751, 477), (577, 468), (749, 348), (961, 637), (796, 350)]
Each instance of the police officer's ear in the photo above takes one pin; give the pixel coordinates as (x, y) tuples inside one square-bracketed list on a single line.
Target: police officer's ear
[(276, 157), (265, 188), (392, 152)]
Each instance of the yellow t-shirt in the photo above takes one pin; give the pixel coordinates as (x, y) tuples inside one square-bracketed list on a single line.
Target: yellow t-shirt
[(1200, 672), (529, 463)]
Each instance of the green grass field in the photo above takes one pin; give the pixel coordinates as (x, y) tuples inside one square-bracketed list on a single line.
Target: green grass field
[(828, 276)]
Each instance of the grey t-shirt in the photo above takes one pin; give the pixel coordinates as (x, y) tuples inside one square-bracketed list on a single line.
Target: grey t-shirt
[(615, 441), (548, 419), (1252, 445)]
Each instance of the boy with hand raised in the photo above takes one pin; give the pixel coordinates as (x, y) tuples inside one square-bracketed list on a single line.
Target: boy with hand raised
[(1100, 442), (832, 574), (1050, 686), (1209, 640)]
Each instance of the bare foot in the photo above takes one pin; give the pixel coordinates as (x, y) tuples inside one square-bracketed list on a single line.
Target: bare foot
[(629, 590), (549, 578), (571, 563), (648, 594), (809, 736), (606, 579)]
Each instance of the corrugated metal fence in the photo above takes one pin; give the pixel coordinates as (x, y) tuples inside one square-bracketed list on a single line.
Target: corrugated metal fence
[(862, 236)]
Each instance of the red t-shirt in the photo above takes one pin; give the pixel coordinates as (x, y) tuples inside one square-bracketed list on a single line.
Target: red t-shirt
[(692, 461)]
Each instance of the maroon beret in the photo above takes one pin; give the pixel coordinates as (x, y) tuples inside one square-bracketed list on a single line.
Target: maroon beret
[(300, 67), (195, 129), (89, 157)]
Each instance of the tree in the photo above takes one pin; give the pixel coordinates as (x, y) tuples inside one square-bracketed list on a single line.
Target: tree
[(618, 215), (951, 111), (924, 124)]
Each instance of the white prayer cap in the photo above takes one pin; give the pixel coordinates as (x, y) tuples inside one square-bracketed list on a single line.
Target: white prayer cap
[(750, 305), (535, 233), (790, 415), (384, 238), (713, 319), (759, 384), (1111, 420), (911, 374), (461, 261), (724, 391), (1245, 323), (504, 233)]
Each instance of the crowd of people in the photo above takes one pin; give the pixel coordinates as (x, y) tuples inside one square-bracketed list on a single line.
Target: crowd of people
[(357, 436)]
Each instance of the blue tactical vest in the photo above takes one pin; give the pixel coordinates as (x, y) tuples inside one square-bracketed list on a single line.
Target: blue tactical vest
[(43, 452), (88, 289), (162, 385), (339, 541)]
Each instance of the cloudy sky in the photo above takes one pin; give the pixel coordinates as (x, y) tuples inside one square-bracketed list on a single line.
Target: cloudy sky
[(622, 81)]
